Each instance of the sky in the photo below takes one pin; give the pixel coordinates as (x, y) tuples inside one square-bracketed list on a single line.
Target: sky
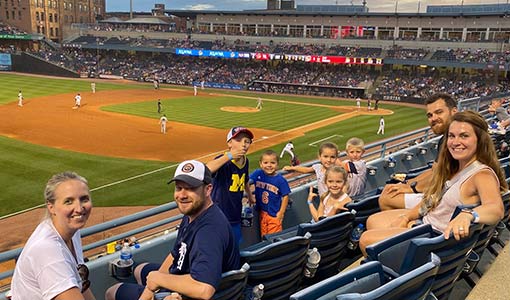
[(373, 5)]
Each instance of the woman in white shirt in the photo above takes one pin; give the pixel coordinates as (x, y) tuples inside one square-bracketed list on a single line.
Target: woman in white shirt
[(51, 264)]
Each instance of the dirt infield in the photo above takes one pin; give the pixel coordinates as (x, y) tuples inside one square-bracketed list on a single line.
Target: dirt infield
[(52, 122)]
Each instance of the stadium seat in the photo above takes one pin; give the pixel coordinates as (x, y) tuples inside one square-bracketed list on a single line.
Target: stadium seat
[(232, 284), (403, 252), (278, 266), (364, 208), (330, 236), (371, 281), (231, 287)]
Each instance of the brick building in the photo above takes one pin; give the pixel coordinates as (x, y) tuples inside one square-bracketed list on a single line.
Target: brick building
[(49, 17)]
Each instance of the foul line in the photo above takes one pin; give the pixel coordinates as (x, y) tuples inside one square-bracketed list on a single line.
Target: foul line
[(313, 144)]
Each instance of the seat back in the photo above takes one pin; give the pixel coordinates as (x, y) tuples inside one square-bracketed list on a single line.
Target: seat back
[(453, 255), (414, 285), (371, 281), (278, 266), (232, 284), (364, 208), (391, 251), (330, 236)]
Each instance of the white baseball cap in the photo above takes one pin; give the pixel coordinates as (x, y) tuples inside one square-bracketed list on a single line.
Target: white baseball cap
[(192, 172)]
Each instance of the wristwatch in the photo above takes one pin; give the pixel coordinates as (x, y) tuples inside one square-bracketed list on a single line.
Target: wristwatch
[(476, 216), (413, 187)]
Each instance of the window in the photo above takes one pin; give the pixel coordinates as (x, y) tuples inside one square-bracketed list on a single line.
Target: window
[(66, 19), (51, 31), (56, 31), (37, 18), (56, 18), (51, 17), (19, 14), (7, 14)]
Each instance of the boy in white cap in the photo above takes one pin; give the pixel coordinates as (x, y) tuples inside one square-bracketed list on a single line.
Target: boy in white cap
[(230, 177)]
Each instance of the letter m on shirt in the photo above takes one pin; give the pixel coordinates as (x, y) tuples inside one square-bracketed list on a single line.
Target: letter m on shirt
[(237, 183)]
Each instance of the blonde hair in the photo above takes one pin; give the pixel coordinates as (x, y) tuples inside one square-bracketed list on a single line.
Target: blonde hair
[(355, 142), (335, 169)]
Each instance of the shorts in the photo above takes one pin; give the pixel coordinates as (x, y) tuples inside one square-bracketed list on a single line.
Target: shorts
[(269, 224), (411, 200), (132, 291)]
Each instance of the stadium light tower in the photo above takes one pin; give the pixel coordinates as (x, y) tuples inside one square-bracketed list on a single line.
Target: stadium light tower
[(130, 9)]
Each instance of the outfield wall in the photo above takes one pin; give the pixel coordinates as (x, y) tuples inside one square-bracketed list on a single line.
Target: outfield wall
[(27, 63)]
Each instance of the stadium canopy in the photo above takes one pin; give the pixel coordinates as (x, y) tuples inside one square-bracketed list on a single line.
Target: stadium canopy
[(152, 21), (112, 20)]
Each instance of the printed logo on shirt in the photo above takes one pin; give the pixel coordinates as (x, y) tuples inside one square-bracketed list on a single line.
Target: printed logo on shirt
[(237, 183), (182, 253)]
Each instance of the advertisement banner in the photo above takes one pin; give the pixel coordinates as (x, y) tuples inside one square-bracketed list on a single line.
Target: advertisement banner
[(5, 62)]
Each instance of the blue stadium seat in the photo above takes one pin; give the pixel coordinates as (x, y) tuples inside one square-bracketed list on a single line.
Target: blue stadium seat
[(232, 285), (329, 235), (404, 252), (364, 208), (372, 281), (278, 266)]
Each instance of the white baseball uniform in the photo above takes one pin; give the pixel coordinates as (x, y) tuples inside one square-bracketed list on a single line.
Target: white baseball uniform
[(20, 99), (93, 87), (77, 100), (381, 126), (162, 122), (289, 148), (195, 90)]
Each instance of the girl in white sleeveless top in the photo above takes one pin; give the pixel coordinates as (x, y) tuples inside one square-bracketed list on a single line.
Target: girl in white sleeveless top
[(335, 199)]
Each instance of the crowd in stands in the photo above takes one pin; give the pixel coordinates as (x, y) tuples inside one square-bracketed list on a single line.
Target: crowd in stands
[(182, 70), (471, 56), (406, 83), (6, 29), (399, 52)]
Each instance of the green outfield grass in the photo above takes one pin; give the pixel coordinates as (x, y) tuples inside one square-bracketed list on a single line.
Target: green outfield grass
[(32, 86), (206, 112), (26, 167)]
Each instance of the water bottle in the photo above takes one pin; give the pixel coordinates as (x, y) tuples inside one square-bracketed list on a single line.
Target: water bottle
[(126, 258), (247, 216), (258, 292), (312, 263), (355, 236)]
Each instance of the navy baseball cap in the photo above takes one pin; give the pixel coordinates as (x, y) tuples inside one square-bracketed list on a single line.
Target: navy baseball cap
[(235, 131), (192, 172)]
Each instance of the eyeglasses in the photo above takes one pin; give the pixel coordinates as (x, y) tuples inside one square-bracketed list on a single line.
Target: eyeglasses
[(83, 270)]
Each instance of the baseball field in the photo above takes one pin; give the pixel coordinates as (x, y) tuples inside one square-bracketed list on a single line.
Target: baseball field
[(114, 138)]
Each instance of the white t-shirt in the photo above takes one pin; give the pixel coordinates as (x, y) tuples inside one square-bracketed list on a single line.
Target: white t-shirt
[(320, 174), (46, 266)]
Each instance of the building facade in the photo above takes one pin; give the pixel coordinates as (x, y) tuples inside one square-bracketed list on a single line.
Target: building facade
[(49, 17)]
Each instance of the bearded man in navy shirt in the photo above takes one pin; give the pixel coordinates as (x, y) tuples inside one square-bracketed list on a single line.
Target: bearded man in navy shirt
[(205, 246)]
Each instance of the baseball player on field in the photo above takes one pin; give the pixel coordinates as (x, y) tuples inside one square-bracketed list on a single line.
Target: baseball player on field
[(162, 122), (195, 90), (259, 104), (77, 100), (93, 87), (20, 99), (289, 148), (358, 103), (381, 126)]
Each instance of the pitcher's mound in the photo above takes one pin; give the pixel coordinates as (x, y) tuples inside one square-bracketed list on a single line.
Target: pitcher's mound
[(241, 109)]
